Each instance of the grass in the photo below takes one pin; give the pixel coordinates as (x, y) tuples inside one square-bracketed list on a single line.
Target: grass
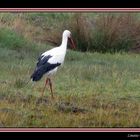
[(91, 90)]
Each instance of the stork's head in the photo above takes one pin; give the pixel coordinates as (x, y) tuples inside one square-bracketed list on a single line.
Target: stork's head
[(68, 34)]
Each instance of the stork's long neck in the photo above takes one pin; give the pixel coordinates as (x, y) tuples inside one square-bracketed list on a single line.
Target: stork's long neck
[(64, 43)]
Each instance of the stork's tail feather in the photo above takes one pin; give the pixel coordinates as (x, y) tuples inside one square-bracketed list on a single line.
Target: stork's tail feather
[(40, 71), (37, 75)]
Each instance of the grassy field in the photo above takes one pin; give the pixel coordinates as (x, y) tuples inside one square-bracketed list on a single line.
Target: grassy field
[(91, 89)]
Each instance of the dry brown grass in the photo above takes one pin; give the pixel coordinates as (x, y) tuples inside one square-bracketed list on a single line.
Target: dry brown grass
[(29, 31), (116, 32)]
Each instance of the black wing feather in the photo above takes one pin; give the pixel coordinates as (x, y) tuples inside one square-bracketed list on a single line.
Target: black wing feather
[(42, 67), (43, 61)]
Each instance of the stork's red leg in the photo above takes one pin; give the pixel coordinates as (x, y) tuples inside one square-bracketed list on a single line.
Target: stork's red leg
[(45, 86), (50, 83)]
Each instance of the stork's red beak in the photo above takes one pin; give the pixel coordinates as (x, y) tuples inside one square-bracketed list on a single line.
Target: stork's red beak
[(72, 42)]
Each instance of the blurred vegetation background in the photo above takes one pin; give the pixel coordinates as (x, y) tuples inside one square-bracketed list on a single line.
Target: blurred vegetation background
[(94, 32)]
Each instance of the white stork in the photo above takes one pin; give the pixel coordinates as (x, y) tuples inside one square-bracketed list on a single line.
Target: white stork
[(49, 61)]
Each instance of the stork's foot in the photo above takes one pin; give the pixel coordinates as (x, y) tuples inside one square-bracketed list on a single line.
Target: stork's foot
[(42, 95), (52, 97)]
